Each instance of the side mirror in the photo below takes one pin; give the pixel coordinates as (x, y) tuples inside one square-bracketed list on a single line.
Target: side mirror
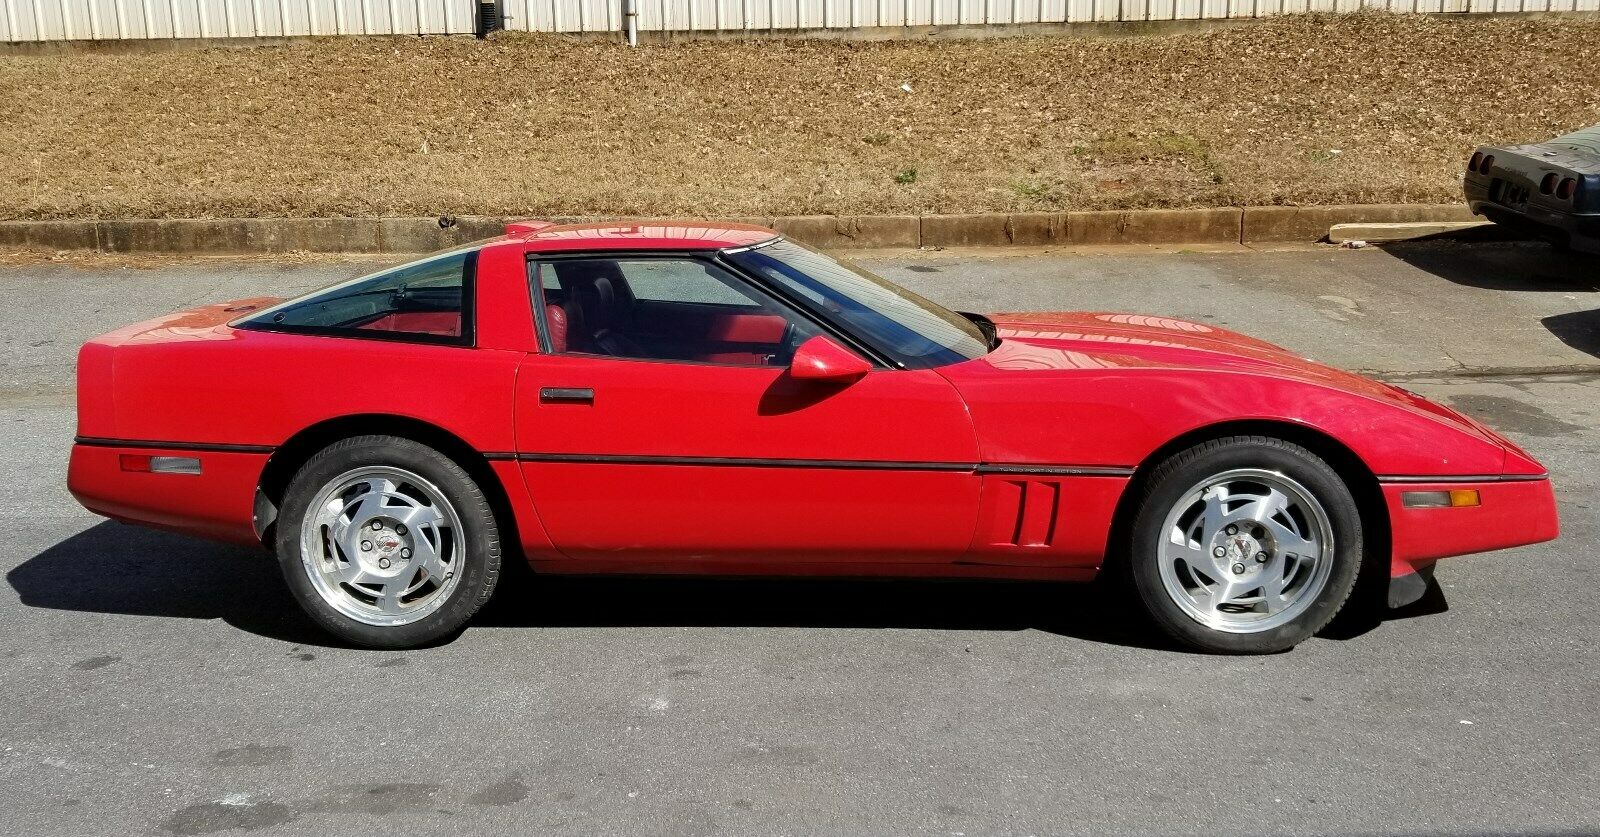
[(821, 359)]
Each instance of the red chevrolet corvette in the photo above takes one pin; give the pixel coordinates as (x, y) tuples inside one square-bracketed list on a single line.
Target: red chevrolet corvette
[(714, 398)]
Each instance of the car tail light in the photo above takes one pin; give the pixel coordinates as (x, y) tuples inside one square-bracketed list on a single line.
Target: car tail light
[(146, 464), (1567, 187), (1488, 163), (1477, 159), (1548, 184)]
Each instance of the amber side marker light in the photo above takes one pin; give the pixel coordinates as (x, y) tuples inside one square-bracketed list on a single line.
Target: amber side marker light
[(1457, 498), (146, 464)]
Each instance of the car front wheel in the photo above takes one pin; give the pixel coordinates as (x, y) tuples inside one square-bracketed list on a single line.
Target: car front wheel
[(387, 543), (1247, 544)]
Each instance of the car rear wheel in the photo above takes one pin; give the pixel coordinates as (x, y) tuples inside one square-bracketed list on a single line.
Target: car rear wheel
[(1247, 544), (387, 543)]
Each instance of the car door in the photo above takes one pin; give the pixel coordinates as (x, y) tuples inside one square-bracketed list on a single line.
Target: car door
[(661, 423)]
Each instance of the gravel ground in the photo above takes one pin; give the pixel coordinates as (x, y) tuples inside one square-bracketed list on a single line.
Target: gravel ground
[(1311, 109)]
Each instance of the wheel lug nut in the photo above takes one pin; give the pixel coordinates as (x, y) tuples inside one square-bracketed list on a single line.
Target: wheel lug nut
[(1232, 530), (384, 563), (366, 546), (400, 530), (1219, 552), (406, 553), (1238, 569), (376, 525), (1261, 557)]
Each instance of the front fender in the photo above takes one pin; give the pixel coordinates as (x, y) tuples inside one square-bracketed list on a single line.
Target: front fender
[(1119, 417)]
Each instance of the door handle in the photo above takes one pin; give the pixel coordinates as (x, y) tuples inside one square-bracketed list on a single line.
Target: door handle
[(566, 395)]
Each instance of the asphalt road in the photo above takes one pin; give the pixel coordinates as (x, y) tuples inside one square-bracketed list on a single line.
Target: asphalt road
[(155, 684)]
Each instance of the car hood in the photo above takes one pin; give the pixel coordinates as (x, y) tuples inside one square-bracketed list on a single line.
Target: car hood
[(1070, 340), (1080, 340)]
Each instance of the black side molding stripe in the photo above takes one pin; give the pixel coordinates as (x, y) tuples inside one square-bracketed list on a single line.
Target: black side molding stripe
[(101, 442), (1468, 478), (732, 462), (837, 464), (1056, 470), (740, 462)]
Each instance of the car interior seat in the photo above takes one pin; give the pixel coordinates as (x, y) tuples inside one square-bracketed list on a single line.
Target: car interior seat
[(598, 308)]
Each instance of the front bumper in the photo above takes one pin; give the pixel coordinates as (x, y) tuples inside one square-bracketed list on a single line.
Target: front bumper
[(1512, 511)]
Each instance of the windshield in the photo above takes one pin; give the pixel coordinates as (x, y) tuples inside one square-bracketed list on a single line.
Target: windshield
[(916, 332)]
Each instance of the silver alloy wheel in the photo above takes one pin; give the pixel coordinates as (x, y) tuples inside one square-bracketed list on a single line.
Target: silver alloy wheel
[(382, 545), (1246, 551)]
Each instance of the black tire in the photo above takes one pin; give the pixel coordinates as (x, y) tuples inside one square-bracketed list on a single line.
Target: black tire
[(479, 562), (1177, 475)]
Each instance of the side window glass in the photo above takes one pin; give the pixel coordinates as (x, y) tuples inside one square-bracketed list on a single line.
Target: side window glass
[(669, 309), (427, 300), (694, 283)]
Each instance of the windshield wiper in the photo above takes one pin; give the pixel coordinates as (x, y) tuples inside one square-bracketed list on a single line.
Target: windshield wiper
[(985, 325)]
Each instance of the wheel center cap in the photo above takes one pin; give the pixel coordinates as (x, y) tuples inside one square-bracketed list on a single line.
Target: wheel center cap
[(1242, 549)]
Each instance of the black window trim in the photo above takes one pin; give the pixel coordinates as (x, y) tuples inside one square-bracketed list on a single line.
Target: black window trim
[(887, 356), (469, 319), (714, 258)]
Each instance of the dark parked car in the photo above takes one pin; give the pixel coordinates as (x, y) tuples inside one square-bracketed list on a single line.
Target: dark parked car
[(1549, 189)]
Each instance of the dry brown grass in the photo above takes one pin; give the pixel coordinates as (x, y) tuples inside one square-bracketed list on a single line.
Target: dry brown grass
[(1299, 110)]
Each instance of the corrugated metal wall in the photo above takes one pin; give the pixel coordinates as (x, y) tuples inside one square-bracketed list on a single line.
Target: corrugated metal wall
[(52, 20), (686, 15), (82, 20)]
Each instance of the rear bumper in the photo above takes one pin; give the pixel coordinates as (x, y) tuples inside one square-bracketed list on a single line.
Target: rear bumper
[(1578, 230), (216, 503), (1512, 511)]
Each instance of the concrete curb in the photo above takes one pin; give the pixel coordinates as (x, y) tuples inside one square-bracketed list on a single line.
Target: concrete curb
[(1379, 233), (420, 235)]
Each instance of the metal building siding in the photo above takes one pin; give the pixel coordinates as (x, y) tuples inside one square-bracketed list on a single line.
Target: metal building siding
[(80, 20), (52, 20)]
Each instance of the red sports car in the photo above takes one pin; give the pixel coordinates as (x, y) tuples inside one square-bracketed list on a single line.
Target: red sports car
[(716, 399)]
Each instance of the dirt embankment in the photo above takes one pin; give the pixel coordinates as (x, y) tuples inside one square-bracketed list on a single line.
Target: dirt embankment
[(1363, 108)]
